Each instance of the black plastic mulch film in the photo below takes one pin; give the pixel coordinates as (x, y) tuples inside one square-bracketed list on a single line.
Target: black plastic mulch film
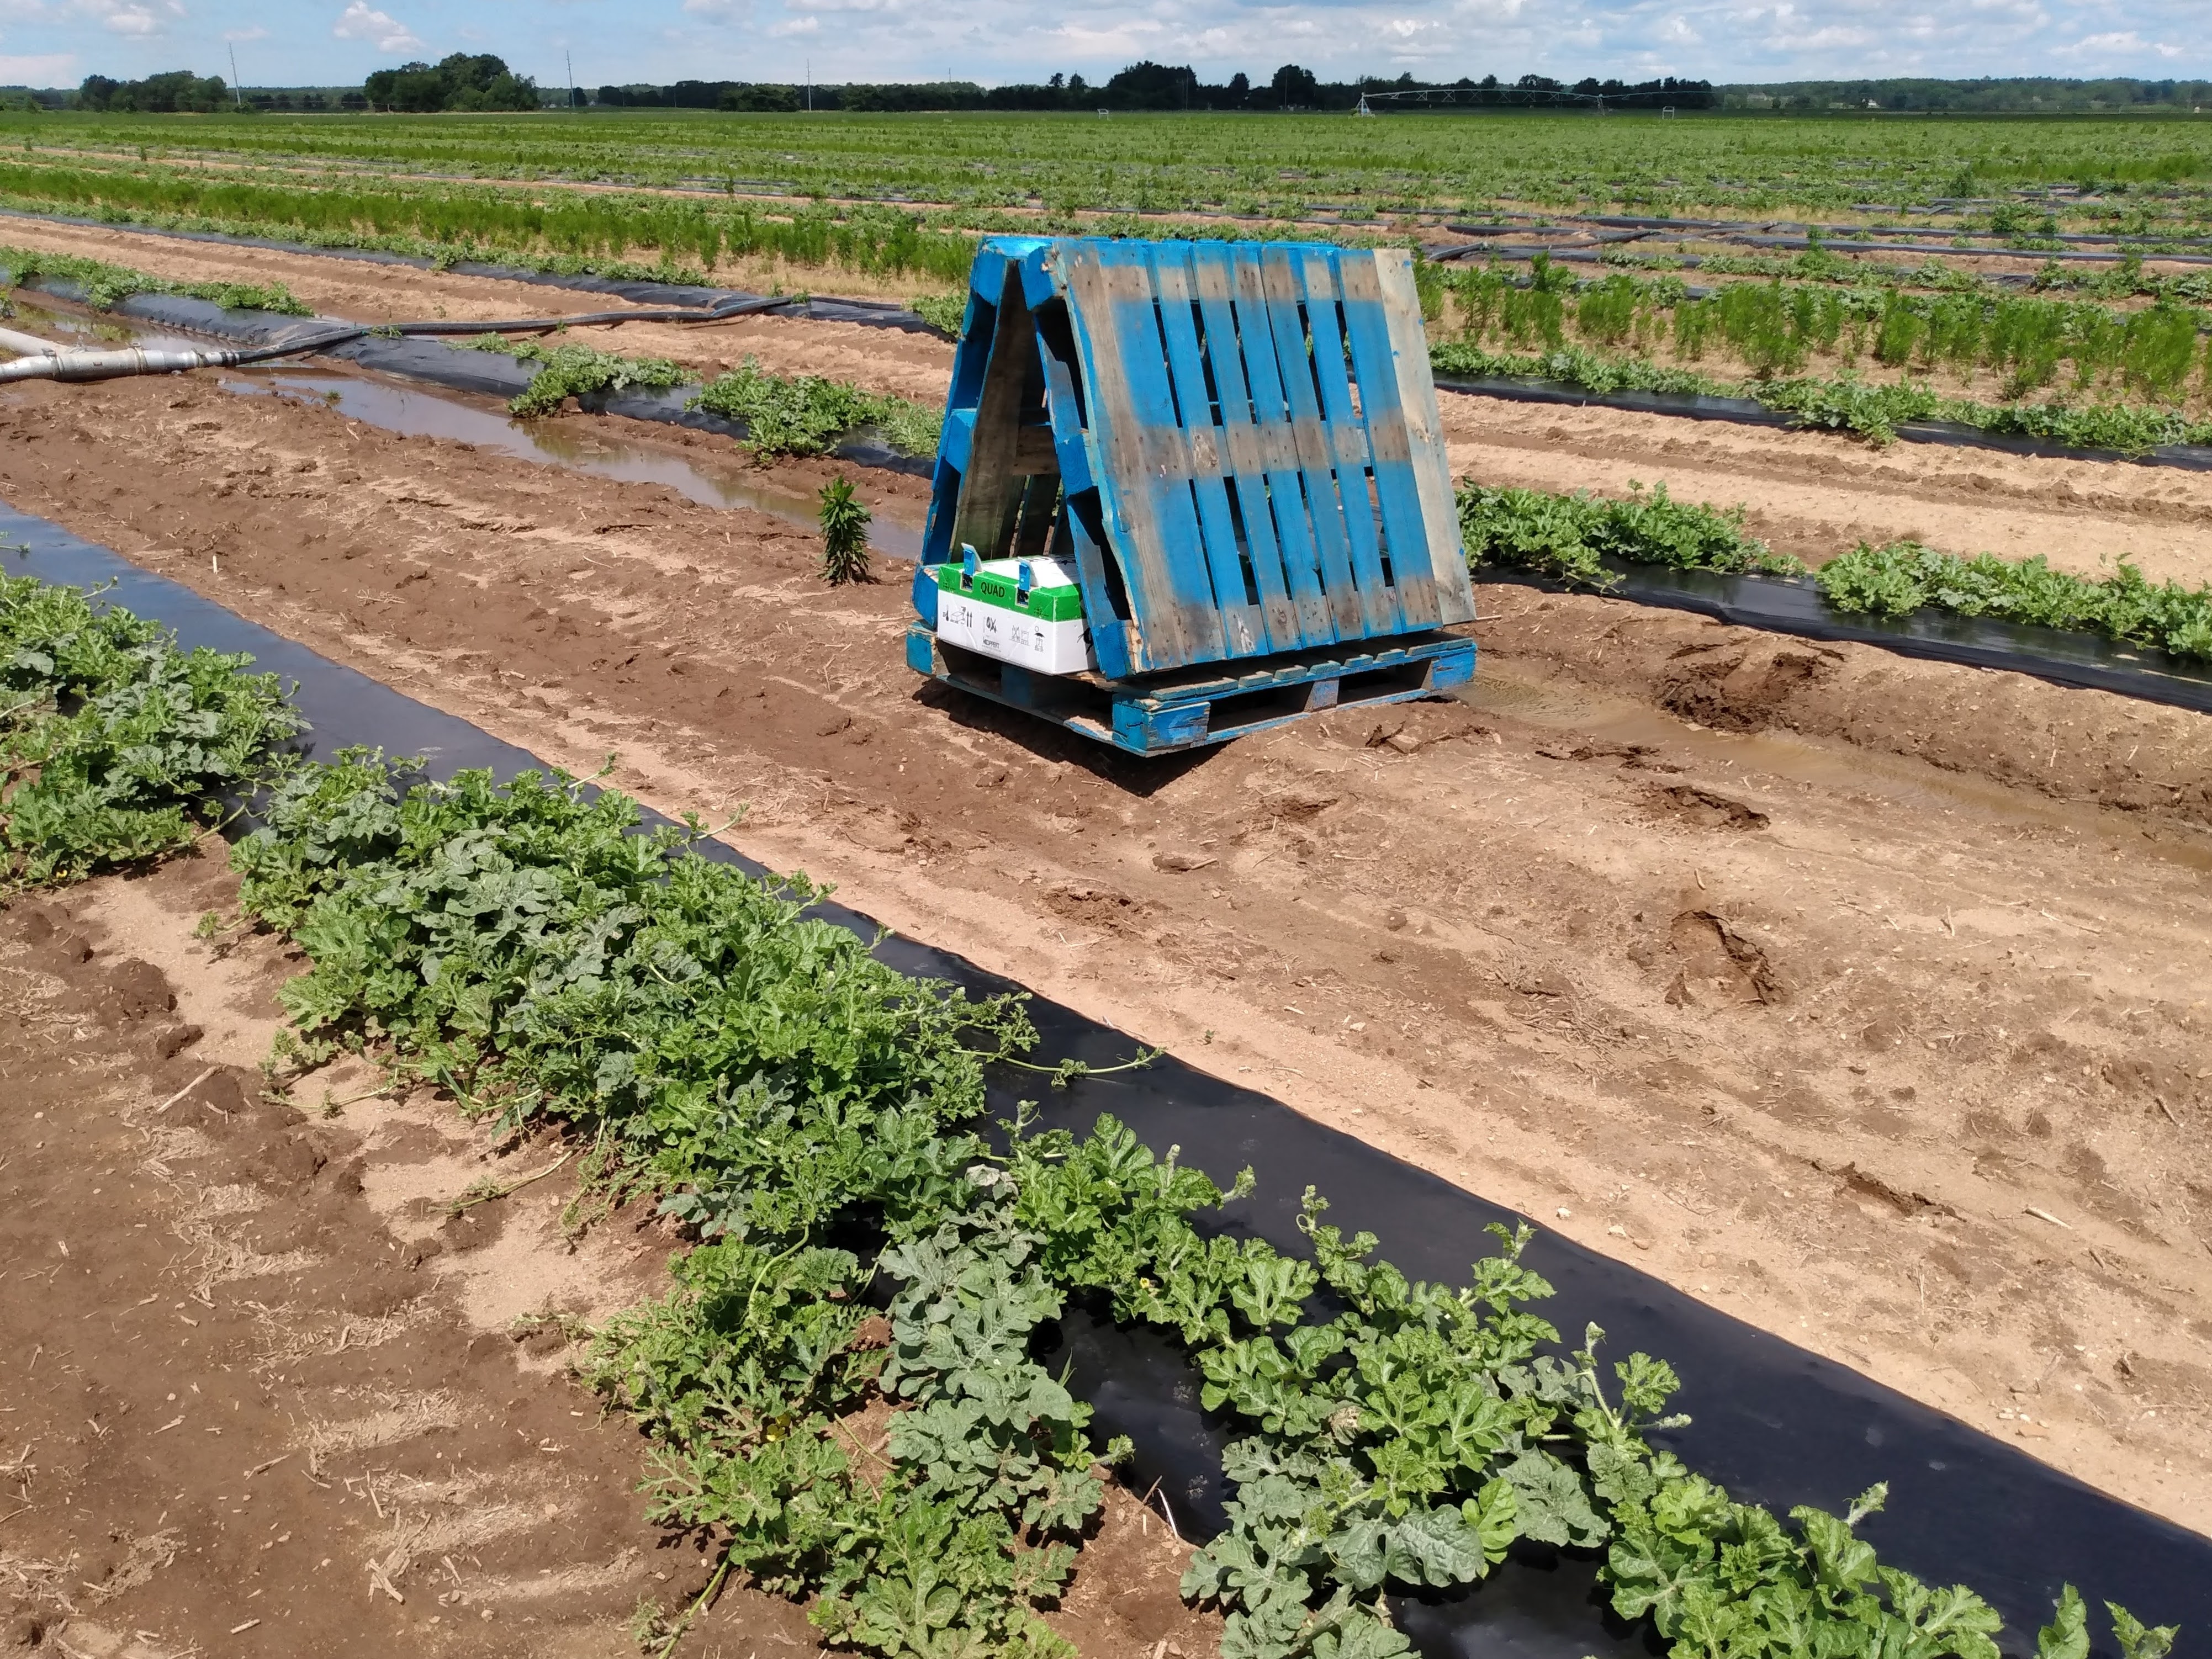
[(1773, 1423), (1746, 411), (1793, 604)]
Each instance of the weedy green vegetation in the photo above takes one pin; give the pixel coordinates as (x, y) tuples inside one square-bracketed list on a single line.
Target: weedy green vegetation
[(806, 414), (1567, 536), (784, 414), (946, 312), (1902, 577), (106, 285), (115, 746), (844, 535), (818, 1119), (567, 371)]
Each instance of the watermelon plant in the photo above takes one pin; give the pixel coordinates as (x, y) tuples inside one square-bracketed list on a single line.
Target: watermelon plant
[(817, 1119)]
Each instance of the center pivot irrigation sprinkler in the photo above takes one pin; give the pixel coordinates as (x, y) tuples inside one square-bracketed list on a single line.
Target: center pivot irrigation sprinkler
[(1190, 490)]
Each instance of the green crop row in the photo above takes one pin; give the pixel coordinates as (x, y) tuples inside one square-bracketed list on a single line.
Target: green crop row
[(1568, 538), (105, 285), (1775, 329), (1841, 403), (817, 1119), (464, 221)]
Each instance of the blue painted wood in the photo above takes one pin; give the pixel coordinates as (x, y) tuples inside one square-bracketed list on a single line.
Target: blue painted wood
[(1214, 278), (1152, 529), (1404, 530), (1271, 414), (1349, 454), (1310, 440), (1247, 447), (1424, 436), (1244, 628), (1146, 719)]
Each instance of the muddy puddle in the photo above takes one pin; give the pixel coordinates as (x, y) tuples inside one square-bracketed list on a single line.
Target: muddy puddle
[(1892, 778), (413, 412), (89, 332), (416, 412)]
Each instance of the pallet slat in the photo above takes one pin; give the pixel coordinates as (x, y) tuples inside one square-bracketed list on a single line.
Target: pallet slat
[(1214, 278)]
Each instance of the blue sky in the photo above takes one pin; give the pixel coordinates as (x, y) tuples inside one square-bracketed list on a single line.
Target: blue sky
[(58, 42)]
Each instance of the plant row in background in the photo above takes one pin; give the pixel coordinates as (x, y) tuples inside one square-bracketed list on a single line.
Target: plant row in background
[(784, 414), (818, 1119), (1569, 537), (2156, 352), (1842, 402), (105, 285)]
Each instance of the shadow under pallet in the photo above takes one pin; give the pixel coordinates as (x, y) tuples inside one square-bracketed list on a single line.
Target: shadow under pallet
[(1188, 708)]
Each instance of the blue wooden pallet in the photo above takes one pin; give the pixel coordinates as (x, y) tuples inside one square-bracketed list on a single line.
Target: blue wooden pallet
[(1190, 709), (1235, 446)]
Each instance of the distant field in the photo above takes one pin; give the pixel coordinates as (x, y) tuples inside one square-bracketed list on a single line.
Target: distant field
[(1270, 167), (2063, 259)]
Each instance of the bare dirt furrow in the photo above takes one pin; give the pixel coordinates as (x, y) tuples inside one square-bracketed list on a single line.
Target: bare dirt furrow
[(1810, 979)]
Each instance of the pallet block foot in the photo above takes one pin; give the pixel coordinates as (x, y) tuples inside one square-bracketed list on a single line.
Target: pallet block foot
[(1165, 714)]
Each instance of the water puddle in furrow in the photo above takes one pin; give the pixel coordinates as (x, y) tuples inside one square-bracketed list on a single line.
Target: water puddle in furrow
[(89, 331), (417, 413), (1847, 770)]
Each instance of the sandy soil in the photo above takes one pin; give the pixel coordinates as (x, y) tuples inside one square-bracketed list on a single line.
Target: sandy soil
[(1813, 494), (264, 1394), (1860, 996)]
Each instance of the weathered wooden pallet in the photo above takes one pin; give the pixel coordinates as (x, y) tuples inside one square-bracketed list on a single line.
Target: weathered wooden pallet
[(1235, 446), (1191, 707)]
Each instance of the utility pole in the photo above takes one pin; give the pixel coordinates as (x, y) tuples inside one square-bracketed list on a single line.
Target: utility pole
[(237, 92), (810, 86), (569, 57)]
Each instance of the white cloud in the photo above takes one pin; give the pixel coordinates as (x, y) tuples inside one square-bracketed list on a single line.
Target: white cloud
[(39, 69), (130, 17), (2123, 43), (718, 11), (380, 29), (1676, 31)]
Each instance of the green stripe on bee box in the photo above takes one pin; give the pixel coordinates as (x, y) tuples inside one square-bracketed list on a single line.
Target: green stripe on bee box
[(992, 588)]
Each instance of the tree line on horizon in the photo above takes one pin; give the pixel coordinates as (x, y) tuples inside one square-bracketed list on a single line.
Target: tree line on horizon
[(483, 80), (1148, 86)]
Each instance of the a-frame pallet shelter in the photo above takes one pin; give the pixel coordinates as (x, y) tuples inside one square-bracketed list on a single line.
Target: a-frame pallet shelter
[(1237, 449)]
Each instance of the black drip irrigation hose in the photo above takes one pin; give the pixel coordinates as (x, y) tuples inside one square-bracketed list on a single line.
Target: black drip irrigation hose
[(1793, 604), (1745, 412), (411, 349), (1775, 1424), (869, 314)]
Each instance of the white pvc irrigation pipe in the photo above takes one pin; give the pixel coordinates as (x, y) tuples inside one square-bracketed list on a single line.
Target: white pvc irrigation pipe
[(51, 364), (43, 360), (27, 345)]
